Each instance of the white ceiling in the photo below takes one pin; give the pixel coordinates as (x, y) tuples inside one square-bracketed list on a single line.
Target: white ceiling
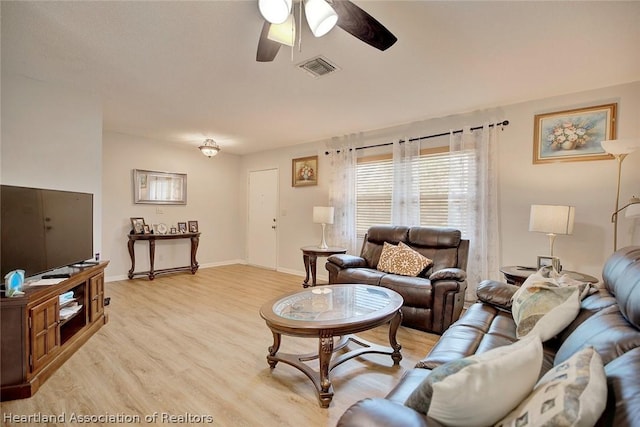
[(183, 71)]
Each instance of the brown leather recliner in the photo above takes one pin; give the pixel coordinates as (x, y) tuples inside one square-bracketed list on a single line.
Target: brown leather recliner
[(434, 299), (609, 321)]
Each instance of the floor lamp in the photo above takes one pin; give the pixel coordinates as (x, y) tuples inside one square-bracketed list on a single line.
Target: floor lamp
[(620, 148)]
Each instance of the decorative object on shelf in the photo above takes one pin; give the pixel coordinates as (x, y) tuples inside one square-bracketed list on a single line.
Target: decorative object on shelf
[(159, 188), (549, 261), (137, 225), (182, 227), (162, 228), (173, 230), (619, 149), (304, 171), (193, 226), (323, 215), (552, 220), (147, 229), (572, 135), (13, 282), (209, 148)]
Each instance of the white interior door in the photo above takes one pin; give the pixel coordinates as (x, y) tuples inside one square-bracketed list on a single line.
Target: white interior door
[(263, 227)]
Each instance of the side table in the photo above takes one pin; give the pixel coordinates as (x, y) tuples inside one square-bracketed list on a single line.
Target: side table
[(516, 275), (310, 256)]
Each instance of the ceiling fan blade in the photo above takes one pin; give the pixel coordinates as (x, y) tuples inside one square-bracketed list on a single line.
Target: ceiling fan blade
[(360, 24), (267, 48)]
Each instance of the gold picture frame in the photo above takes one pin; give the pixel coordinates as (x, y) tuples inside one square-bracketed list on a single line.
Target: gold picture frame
[(304, 171), (573, 135)]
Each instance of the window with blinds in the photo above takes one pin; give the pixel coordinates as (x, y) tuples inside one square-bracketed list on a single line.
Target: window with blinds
[(445, 184)]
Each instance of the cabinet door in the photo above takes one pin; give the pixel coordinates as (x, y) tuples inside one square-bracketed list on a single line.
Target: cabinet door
[(44, 321), (96, 297)]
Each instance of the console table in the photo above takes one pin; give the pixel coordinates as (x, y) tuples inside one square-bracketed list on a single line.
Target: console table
[(310, 256), (151, 238)]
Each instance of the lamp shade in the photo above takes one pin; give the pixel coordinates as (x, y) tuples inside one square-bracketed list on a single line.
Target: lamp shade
[(320, 16), (275, 11), (621, 146), (552, 219), (323, 214)]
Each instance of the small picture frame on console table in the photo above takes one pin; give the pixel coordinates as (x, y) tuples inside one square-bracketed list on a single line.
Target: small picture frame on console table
[(193, 226), (137, 225), (546, 261), (182, 227)]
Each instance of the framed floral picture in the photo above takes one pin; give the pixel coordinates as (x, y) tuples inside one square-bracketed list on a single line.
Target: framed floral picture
[(304, 171), (573, 135)]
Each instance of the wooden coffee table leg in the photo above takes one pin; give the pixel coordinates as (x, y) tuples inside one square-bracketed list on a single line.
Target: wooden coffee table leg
[(325, 351), (273, 350), (393, 329)]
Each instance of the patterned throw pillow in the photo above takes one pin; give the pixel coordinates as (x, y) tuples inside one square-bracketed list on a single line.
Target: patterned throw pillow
[(402, 260), (574, 393), (543, 306), (480, 389)]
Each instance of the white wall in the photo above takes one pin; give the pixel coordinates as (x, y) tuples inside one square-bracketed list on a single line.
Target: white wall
[(52, 138), (213, 199), (587, 185)]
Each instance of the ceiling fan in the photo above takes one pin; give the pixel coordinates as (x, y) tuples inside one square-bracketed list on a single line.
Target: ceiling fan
[(322, 16)]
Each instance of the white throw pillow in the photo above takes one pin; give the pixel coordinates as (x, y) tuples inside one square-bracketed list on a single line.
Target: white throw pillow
[(543, 306), (574, 393), (480, 389)]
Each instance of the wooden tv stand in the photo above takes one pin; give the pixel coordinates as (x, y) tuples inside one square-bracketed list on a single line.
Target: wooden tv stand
[(36, 339)]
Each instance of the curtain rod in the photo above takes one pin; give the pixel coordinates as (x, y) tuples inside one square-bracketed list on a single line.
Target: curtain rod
[(420, 138)]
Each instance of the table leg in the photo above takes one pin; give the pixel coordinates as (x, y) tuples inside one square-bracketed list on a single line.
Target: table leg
[(152, 256), (273, 350), (325, 351), (314, 261), (305, 258), (393, 329), (195, 240), (132, 254)]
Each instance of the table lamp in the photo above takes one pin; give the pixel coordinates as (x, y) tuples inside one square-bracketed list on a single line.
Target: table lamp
[(620, 148), (323, 215), (553, 220)]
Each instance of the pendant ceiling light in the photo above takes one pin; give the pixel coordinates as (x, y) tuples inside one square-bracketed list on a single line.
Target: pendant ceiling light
[(275, 11), (284, 33), (209, 148), (320, 16)]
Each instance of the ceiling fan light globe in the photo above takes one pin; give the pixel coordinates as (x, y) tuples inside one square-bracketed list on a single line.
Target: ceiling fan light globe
[(284, 33), (275, 11), (320, 16)]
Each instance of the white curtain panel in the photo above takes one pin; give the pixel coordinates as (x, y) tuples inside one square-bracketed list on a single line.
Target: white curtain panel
[(405, 200), (342, 192), (478, 151)]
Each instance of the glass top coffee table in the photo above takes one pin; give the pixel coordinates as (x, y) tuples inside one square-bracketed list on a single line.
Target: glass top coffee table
[(327, 312)]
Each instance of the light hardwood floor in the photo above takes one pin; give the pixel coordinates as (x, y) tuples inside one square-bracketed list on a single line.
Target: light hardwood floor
[(196, 345)]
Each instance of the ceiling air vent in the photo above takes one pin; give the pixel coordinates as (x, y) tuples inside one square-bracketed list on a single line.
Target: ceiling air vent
[(318, 66)]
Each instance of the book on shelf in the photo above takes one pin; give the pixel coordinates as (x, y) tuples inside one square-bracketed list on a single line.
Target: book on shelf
[(70, 310)]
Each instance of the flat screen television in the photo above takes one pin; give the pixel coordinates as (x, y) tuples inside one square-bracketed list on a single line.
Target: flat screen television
[(43, 230)]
